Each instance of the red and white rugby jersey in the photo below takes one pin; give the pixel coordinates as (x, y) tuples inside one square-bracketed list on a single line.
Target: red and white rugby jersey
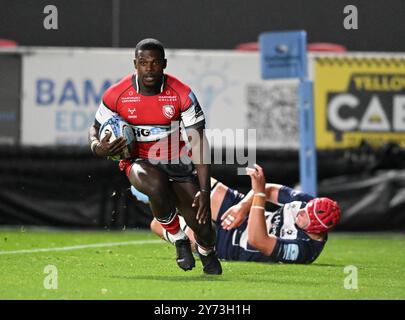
[(152, 116)]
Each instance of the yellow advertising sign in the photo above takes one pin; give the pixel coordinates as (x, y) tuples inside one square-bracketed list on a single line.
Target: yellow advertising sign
[(359, 99)]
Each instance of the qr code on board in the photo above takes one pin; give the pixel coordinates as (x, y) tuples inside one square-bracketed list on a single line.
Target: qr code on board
[(273, 112)]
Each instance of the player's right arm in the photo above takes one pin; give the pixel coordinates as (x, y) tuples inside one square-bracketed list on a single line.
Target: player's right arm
[(103, 148), (105, 111)]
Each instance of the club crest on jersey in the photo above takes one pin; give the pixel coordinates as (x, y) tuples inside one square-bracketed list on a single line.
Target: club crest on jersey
[(168, 111)]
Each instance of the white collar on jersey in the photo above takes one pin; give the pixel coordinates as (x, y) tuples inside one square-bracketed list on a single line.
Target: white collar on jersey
[(137, 84)]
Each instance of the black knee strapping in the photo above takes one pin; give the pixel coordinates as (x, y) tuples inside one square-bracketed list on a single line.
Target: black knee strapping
[(169, 218)]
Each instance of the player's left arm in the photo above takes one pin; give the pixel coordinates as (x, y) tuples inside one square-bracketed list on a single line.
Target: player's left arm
[(199, 157), (193, 119)]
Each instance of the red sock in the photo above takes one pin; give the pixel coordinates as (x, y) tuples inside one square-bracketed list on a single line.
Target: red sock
[(173, 226)]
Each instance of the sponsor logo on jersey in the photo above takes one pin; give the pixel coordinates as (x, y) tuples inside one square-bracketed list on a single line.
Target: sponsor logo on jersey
[(198, 111), (132, 114), (288, 228), (275, 224), (130, 99), (197, 108), (150, 133), (286, 232), (291, 252), (167, 98), (168, 111)]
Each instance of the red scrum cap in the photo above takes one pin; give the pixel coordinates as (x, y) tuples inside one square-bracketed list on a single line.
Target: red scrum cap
[(323, 213)]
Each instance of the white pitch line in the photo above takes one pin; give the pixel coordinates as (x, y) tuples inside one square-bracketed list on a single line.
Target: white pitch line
[(84, 246)]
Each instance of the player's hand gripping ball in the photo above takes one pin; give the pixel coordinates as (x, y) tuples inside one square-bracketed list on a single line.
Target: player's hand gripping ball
[(119, 128)]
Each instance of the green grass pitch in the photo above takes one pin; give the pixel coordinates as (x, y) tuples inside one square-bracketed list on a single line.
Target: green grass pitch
[(145, 269)]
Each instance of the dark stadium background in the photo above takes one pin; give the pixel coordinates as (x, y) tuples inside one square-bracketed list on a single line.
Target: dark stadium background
[(69, 187), (208, 24)]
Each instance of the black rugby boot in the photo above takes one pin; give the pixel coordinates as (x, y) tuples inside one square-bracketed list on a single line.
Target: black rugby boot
[(211, 263), (185, 259)]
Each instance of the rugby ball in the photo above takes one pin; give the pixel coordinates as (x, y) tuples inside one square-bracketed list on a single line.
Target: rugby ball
[(119, 128)]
